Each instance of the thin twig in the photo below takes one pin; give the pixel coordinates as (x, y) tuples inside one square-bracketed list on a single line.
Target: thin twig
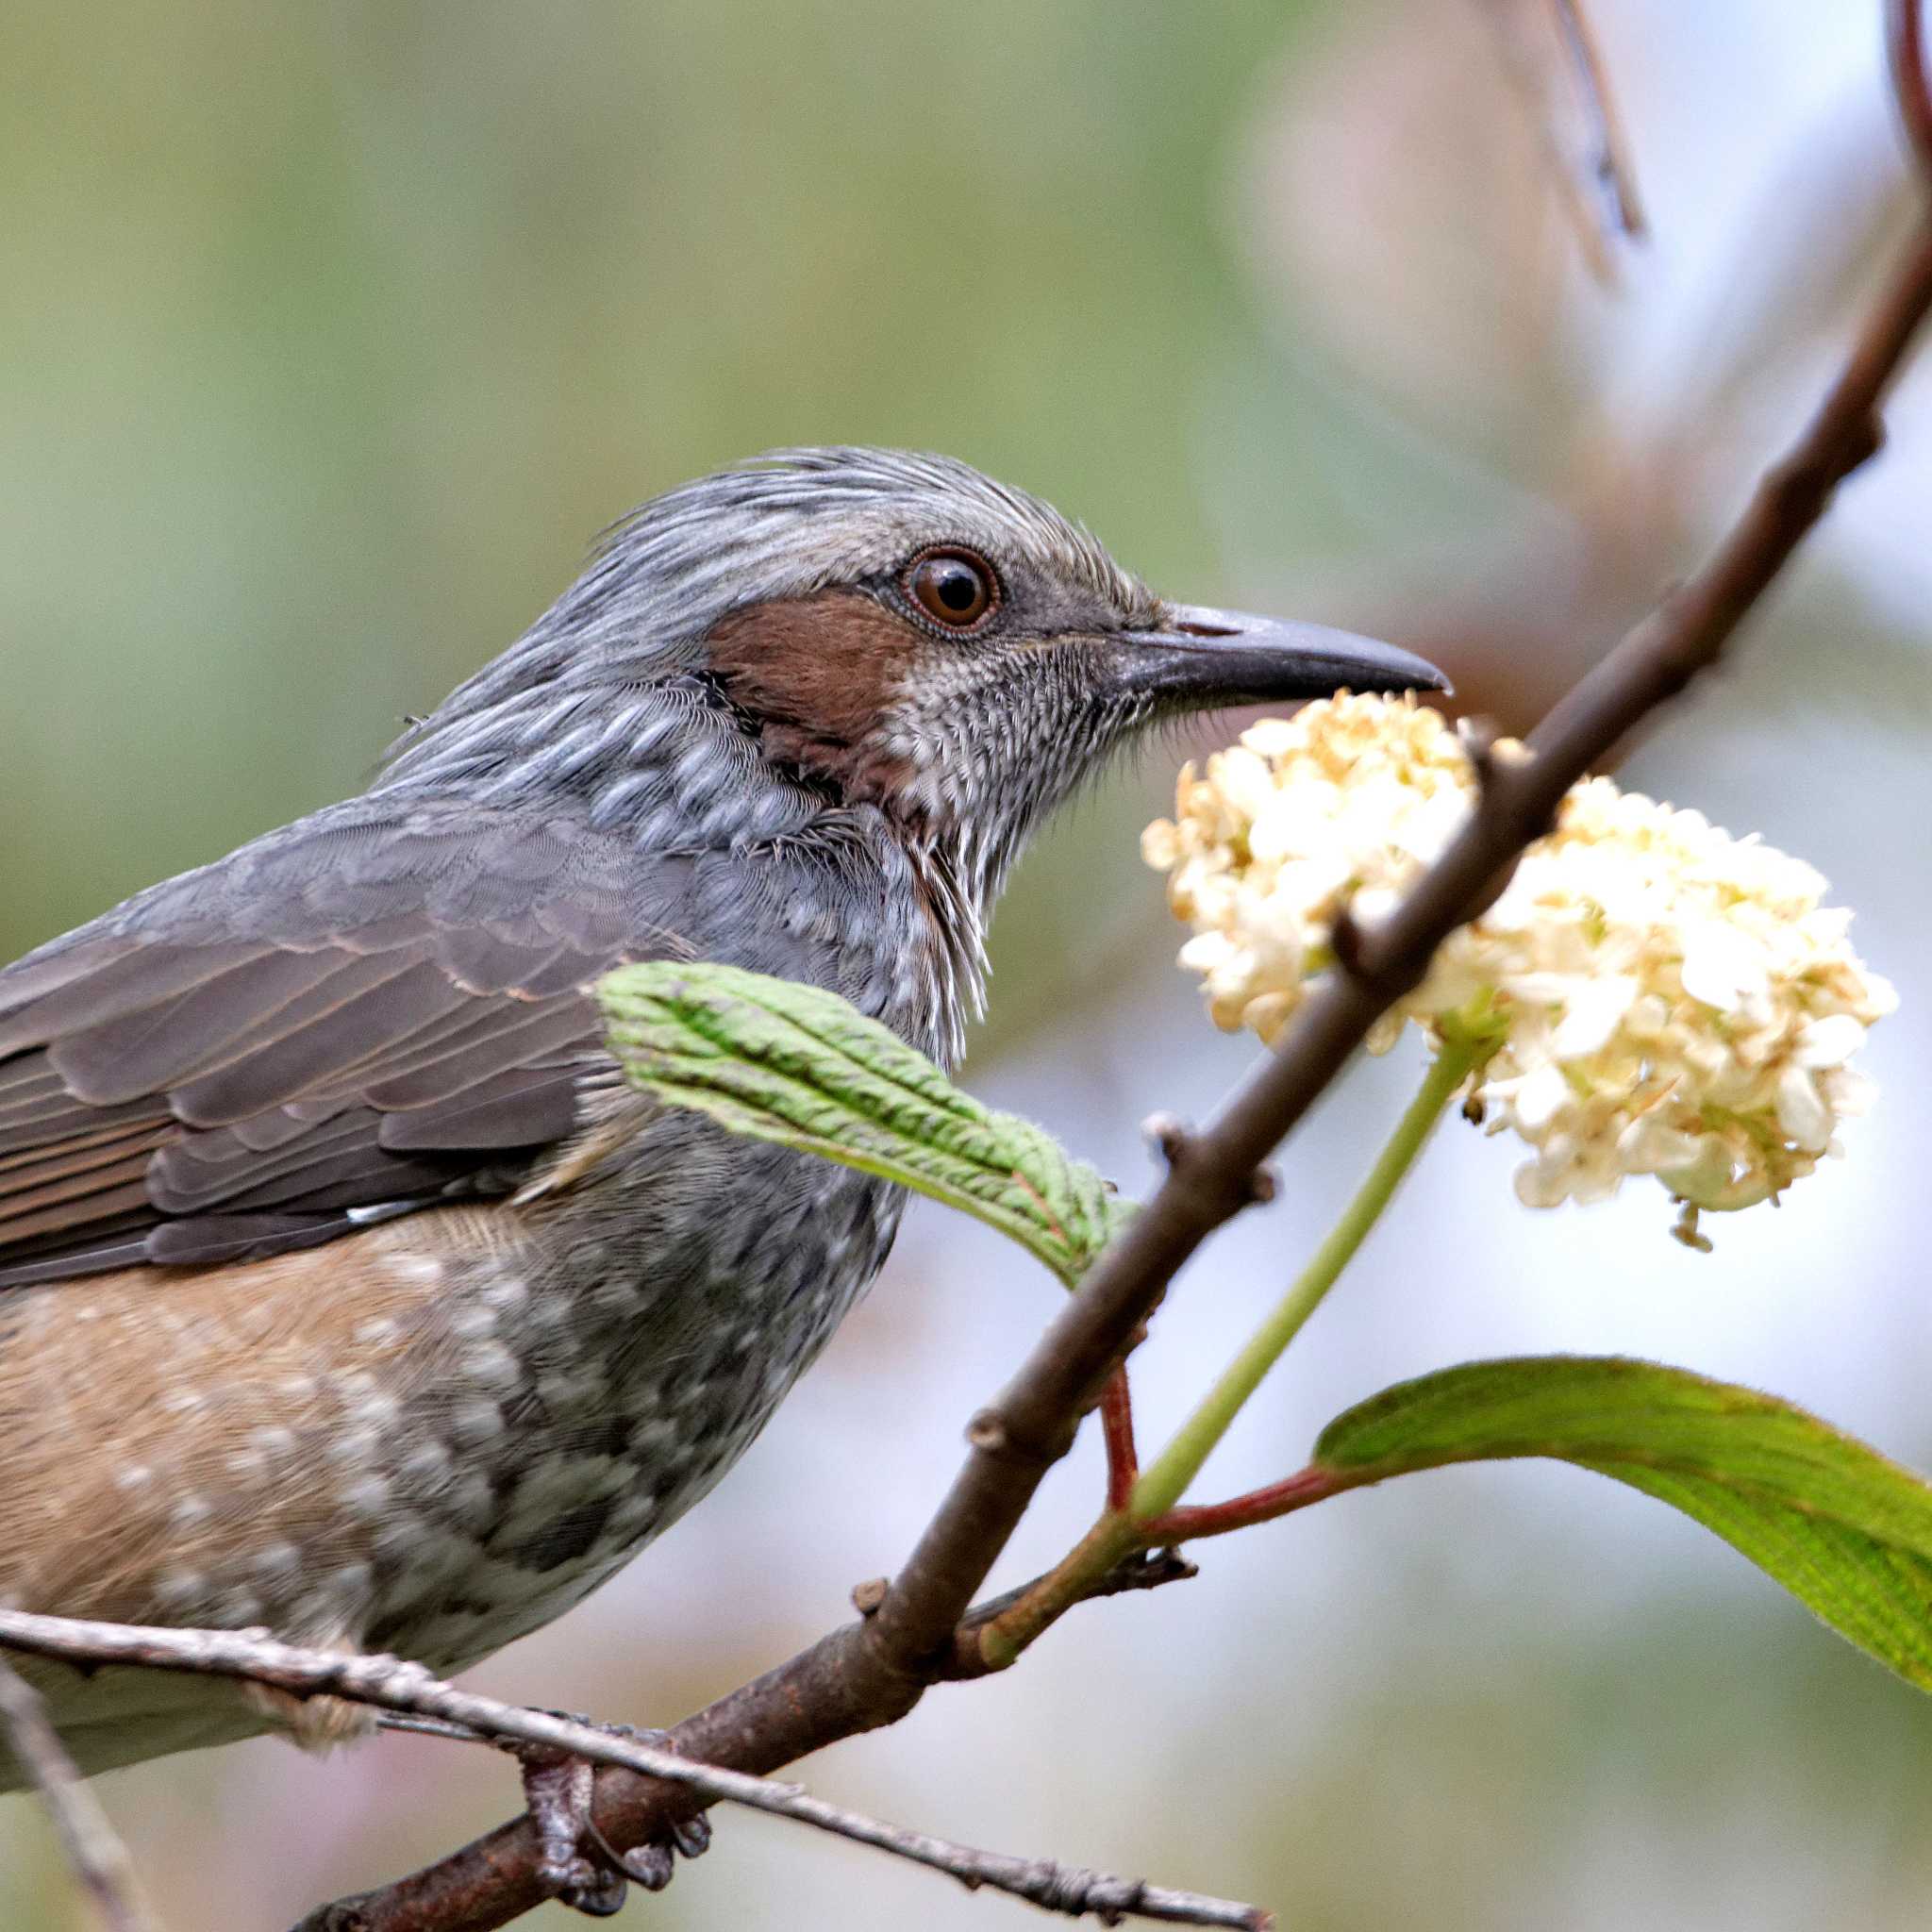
[(428, 1727), (871, 1673), (1117, 1425), (1188, 1521), (1610, 166), (1597, 192), (386, 1682), (94, 1848), (1149, 1567)]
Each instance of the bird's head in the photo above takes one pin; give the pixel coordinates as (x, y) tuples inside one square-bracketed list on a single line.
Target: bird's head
[(861, 630)]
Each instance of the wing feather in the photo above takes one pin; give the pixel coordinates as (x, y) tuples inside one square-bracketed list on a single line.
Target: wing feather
[(302, 1063), (353, 1018), (81, 1159), (493, 1113)]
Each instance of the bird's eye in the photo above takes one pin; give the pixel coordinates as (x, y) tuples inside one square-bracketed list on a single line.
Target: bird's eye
[(953, 587)]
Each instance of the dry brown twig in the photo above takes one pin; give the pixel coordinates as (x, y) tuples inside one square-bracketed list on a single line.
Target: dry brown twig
[(922, 1629), (1557, 72), (94, 1849), (390, 1684), (1611, 171)]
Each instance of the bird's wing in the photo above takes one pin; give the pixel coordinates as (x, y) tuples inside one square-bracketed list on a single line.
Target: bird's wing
[(373, 1011)]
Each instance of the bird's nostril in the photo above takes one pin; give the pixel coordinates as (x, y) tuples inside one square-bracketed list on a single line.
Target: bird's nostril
[(1193, 629)]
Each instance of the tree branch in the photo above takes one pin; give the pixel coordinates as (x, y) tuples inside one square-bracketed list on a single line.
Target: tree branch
[(1911, 82), (923, 1629), (386, 1683), (94, 1849), (872, 1672)]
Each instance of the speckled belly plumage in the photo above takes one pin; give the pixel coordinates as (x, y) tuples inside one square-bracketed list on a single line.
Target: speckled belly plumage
[(598, 1403), (439, 1450)]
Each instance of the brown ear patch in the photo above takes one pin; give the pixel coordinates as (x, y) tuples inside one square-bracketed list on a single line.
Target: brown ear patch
[(819, 675)]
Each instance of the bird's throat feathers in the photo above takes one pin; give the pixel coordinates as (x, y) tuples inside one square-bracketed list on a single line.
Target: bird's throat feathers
[(751, 661)]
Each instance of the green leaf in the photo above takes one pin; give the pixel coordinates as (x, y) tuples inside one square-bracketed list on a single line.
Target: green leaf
[(797, 1065), (1844, 1529)]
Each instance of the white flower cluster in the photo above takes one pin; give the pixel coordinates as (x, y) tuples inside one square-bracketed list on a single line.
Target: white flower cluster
[(1665, 999)]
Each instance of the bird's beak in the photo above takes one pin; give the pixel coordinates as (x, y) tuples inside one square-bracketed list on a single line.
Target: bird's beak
[(1199, 659)]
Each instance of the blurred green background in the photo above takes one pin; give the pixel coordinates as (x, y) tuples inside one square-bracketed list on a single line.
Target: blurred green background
[(328, 336)]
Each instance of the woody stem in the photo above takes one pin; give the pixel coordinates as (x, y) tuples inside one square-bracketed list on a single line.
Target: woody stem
[(1139, 1523)]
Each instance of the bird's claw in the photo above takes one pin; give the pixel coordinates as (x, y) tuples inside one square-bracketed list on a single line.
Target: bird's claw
[(577, 1865)]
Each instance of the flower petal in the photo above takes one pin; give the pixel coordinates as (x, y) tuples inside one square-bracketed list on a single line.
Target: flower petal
[(1800, 1110), (1830, 1041)]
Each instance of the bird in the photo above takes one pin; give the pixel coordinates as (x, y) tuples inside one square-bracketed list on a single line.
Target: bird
[(346, 1289)]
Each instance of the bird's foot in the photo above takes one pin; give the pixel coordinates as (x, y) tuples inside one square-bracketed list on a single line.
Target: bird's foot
[(579, 1866)]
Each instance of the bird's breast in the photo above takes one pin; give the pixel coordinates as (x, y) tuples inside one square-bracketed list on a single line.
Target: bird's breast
[(439, 1434), (653, 1323)]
